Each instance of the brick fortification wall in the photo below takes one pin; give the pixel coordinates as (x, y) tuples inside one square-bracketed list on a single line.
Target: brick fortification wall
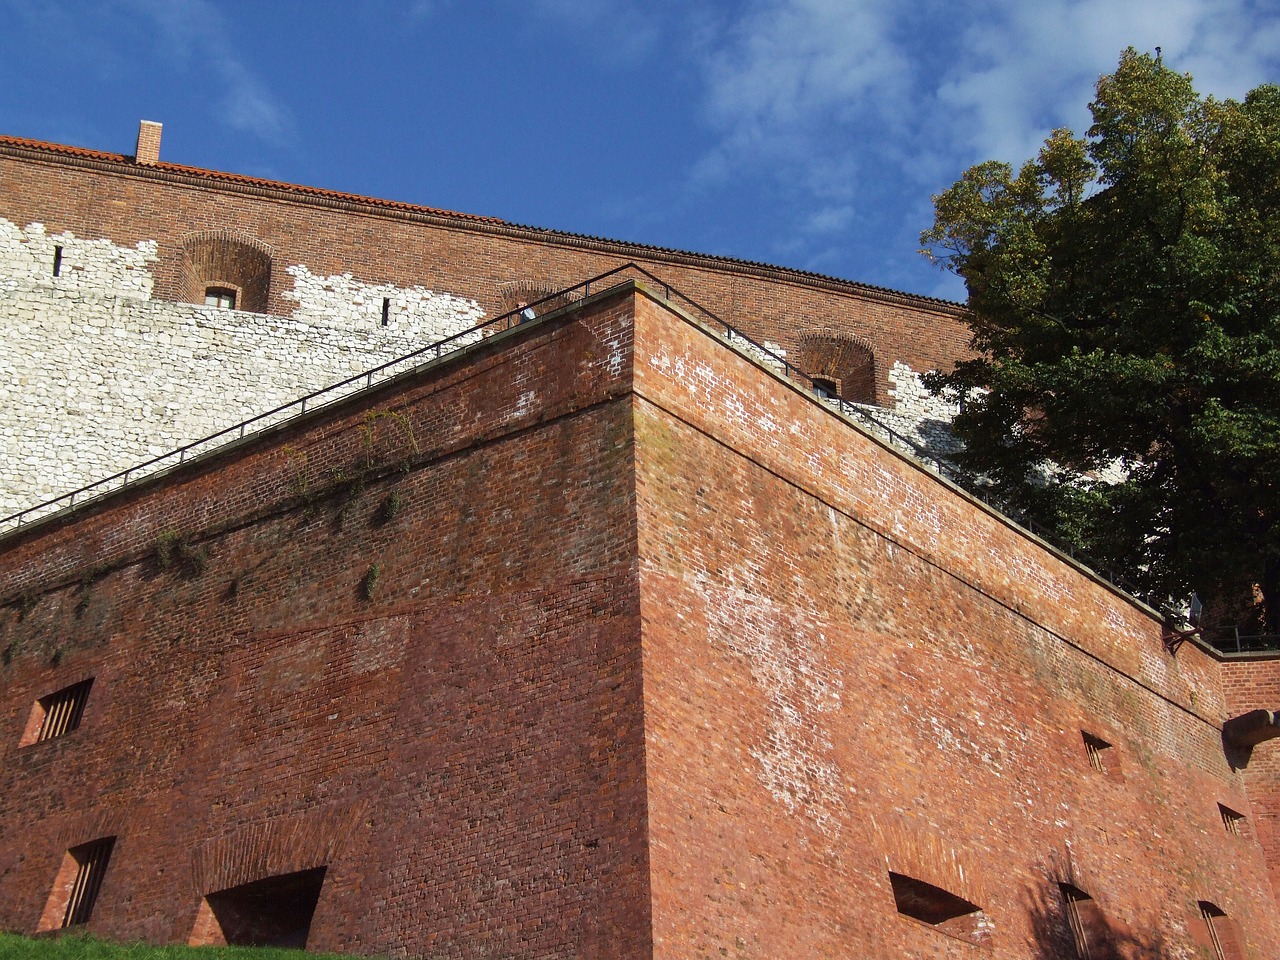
[(662, 658), (853, 671), (456, 736), (1253, 683)]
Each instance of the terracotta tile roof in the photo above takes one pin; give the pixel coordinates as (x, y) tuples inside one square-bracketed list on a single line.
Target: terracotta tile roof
[(239, 178)]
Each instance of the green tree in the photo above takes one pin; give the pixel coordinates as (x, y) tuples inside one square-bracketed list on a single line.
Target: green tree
[(1124, 298)]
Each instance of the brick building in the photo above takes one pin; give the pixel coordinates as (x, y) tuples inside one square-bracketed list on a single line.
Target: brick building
[(595, 634)]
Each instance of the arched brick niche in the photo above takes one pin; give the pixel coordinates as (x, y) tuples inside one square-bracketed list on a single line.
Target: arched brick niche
[(519, 293), (224, 266), (843, 364)]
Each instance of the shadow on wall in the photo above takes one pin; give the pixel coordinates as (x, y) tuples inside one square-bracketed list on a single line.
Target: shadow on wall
[(1068, 924)]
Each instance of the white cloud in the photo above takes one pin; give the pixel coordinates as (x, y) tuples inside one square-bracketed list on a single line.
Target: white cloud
[(832, 99), (195, 32)]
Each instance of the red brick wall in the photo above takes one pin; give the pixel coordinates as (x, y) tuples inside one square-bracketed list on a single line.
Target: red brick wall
[(663, 659), (461, 256), (460, 744), (850, 670), (1254, 684)]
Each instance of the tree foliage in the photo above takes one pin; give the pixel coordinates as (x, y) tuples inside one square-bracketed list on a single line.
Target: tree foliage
[(1124, 299)]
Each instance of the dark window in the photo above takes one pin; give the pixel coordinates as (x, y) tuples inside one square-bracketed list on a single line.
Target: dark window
[(825, 387), (1232, 822), (386, 310), (59, 713), (223, 297), (939, 908), (91, 865), (1090, 928), (57, 261)]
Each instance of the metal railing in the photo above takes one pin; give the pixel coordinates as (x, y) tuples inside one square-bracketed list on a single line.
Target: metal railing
[(433, 353), (1231, 640)]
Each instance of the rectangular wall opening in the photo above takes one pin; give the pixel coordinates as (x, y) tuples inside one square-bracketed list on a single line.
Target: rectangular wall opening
[(1090, 929), (1223, 937), (272, 912), (1098, 751), (57, 261), (57, 714), (76, 888), (938, 908)]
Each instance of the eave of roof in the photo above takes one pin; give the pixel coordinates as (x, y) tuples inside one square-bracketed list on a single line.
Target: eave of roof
[(214, 178)]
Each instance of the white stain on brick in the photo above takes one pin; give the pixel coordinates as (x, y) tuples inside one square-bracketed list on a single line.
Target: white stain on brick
[(796, 760)]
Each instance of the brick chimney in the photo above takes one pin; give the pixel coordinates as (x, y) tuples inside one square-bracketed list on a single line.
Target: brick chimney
[(148, 142)]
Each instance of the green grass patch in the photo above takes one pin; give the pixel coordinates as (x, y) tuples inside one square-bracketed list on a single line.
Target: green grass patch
[(76, 947)]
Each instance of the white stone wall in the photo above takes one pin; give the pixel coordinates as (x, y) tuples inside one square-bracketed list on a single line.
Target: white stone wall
[(27, 257), (340, 298), (95, 377)]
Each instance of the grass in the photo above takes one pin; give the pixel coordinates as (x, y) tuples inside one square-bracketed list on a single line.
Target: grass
[(80, 947)]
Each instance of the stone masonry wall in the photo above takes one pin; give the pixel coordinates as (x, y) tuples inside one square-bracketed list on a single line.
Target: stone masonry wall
[(95, 377), (29, 257)]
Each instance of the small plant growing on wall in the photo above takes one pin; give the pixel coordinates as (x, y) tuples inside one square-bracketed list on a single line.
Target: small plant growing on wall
[(405, 448), (86, 590), (298, 485), (369, 583), (389, 509), (174, 552)]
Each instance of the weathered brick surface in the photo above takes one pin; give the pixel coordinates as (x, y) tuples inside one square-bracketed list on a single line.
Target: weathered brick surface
[(462, 749), (664, 658), (851, 669)]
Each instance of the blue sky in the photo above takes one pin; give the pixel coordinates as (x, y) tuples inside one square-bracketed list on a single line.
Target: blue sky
[(808, 133)]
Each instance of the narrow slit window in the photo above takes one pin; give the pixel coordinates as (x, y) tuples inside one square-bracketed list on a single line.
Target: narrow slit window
[(58, 714), (57, 261), (1224, 938), (223, 297), (938, 908), (1097, 750), (386, 311), (76, 888), (1232, 822)]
